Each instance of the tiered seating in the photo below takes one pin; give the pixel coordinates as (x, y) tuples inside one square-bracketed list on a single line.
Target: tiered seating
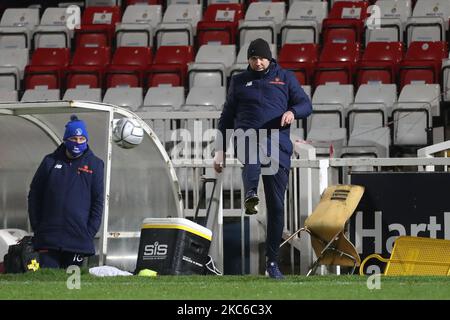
[(219, 24), (394, 15), (12, 66), (303, 23), (206, 98), (41, 94), (345, 22), (47, 68), (131, 2), (326, 125), (163, 98), (179, 25), (428, 94), (337, 63), (334, 97), (224, 1), (138, 23), (169, 2), (212, 66), (262, 20), (88, 67), (8, 95), (198, 99), (102, 3), (83, 93), (412, 116), (380, 63), (128, 67), (97, 27), (422, 63), (324, 50), (301, 59), (377, 95), (16, 27), (367, 119), (130, 98), (251, 1), (170, 66), (429, 21), (53, 30)]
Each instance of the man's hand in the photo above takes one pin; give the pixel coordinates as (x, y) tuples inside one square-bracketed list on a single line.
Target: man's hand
[(218, 161), (287, 118)]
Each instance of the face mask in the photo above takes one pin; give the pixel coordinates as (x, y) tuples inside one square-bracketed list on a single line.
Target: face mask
[(74, 148)]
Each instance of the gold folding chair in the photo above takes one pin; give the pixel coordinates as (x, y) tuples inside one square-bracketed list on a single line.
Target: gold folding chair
[(415, 256), (326, 227)]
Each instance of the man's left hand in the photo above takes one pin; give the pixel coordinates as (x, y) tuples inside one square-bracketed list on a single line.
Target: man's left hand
[(287, 118)]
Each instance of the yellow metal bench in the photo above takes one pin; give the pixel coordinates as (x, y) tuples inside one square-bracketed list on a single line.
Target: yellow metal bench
[(415, 256), (326, 227)]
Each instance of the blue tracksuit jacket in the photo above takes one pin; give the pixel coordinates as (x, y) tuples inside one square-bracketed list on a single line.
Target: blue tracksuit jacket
[(65, 202), (259, 101)]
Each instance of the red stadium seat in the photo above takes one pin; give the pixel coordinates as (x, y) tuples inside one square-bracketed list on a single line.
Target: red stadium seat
[(340, 52), (301, 59), (337, 63), (423, 61), (250, 1), (97, 27), (128, 66), (345, 22), (170, 66), (47, 68), (220, 23), (384, 51), (375, 71), (130, 2), (88, 67), (380, 63)]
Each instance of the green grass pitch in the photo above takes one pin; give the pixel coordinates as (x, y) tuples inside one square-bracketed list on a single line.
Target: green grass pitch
[(52, 285)]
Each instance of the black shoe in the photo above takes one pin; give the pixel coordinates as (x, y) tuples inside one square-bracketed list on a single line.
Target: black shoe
[(250, 203)]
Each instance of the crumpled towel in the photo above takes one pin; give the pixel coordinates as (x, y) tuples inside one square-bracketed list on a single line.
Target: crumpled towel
[(108, 271)]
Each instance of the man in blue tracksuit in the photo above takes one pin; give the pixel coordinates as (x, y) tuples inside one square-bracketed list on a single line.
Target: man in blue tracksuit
[(261, 104), (65, 202)]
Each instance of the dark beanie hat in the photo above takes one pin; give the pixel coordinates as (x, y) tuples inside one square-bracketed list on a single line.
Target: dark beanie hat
[(259, 48), (75, 127)]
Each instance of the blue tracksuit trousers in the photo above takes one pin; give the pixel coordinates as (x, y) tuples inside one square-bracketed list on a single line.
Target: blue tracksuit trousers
[(274, 189), (59, 259)]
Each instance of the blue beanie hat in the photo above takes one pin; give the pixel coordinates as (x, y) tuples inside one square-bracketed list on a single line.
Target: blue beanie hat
[(75, 127)]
